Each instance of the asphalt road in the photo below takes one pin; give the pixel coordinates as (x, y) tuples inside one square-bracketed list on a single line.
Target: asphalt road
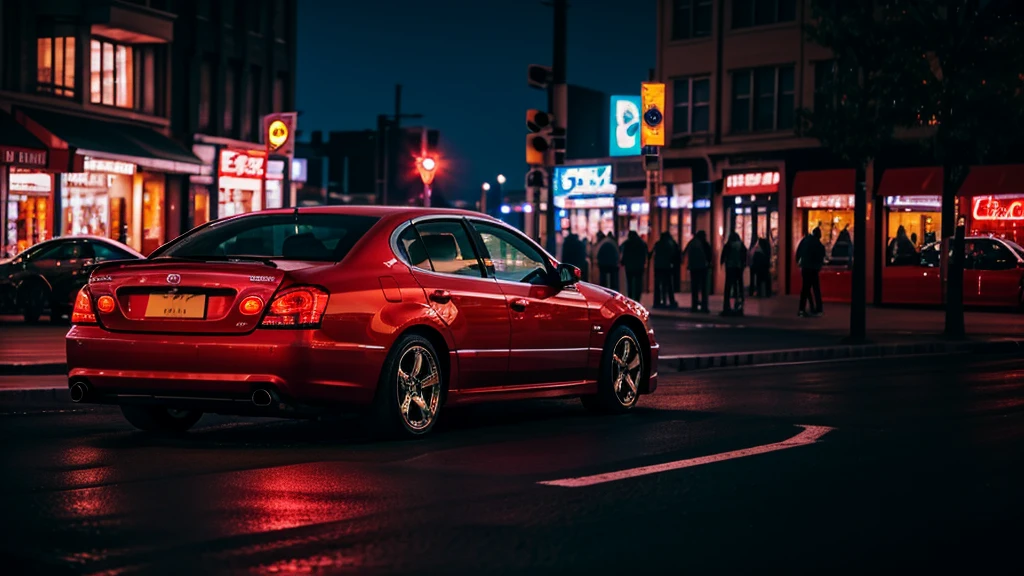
[(922, 472)]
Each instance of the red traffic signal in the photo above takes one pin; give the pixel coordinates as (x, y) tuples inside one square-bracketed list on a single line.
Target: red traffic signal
[(427, 167)]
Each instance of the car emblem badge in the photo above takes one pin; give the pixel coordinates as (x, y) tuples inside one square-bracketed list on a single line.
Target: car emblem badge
[(173, 278)]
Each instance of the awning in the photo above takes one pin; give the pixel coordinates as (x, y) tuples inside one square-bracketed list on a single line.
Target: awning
[(911, 182), (114, 141), (825, 183), (1006, 179), (18, 147)]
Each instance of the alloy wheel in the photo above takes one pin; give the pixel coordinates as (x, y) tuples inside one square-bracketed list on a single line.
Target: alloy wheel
[(419, 390), (627, 365)]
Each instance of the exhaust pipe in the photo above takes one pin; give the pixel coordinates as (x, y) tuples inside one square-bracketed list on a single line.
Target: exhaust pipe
[(262, 398), (78, 391)]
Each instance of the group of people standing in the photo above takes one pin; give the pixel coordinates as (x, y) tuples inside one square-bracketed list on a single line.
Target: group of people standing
[(666, 258)]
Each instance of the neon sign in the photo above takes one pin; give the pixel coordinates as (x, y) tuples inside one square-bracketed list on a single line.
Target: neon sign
[(988, 208), (752, 182), (242, 164)]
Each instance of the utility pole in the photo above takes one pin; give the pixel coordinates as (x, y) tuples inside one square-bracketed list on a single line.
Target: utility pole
[(558, 104), (388, 139)]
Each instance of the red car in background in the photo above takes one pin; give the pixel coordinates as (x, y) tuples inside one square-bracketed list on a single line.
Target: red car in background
[(399, 310), (993, 275)]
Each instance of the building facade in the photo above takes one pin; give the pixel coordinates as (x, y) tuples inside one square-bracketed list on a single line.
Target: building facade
[(735, 73), (86, 102), (235, 63)]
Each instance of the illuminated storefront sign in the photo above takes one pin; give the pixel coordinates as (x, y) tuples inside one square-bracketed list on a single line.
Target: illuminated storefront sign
[(624, 137), (247, 164), (279, 131), (752, 183), (275, 170), (989, 208), (18, 157), (831, 202), (299, 168), (31, 182), (108, 166), (909, 202), (582, 181)]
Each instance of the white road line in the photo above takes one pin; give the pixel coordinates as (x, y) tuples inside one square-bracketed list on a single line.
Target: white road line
[(809, 435)]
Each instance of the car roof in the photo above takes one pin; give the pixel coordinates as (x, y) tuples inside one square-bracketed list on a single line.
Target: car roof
[(408, 212)]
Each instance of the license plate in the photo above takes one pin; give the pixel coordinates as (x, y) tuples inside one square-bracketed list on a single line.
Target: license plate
[(176, 306)]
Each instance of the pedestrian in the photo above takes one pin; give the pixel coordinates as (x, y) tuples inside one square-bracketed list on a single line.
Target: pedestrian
[(698, 259), (573, 252), (761, 268), (810, 257), (608, 262), (734, 258), (634, 260), (665, 252)]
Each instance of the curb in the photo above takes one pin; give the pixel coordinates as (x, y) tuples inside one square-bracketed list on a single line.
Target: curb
[(689, 363), (34, 369), (21, 395)]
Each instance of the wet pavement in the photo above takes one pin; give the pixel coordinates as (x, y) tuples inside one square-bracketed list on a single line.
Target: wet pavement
[(921, 472)]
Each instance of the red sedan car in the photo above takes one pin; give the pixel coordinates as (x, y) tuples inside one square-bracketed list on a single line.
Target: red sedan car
[(401, 311)]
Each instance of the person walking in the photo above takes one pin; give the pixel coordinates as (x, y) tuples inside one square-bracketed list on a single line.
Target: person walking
[(665, 258), (761, 268), (634, 260), (608, 262), (734, 258), (698, 260), (810, 257)]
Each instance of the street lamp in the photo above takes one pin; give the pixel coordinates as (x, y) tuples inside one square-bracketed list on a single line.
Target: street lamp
[(484, 189), (486, 186), (501, 178)]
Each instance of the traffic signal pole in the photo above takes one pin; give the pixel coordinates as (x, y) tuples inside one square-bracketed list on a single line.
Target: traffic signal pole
[(558, 104)]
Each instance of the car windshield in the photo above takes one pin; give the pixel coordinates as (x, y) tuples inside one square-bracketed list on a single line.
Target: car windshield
[(265, 237)]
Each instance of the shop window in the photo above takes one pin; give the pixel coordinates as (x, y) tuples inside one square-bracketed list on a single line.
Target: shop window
[(748, 13), (691, 19), (112, 69), (909, 231), (229, 100), (691, 105), (205, 94), (55, 64), (279, 88), (763, 99)]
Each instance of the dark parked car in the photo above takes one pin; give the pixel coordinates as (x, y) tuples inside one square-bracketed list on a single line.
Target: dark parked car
[(49, 275)]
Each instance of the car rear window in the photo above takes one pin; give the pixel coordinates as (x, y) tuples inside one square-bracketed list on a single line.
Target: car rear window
[(309, 237)]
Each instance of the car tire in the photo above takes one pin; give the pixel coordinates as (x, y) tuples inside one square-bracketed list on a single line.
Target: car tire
[(160, 419), (410, 392), (622, 368), (32, 300)]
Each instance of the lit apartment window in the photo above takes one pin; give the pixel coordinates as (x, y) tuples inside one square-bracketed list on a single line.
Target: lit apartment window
[(690, 105), (747, 13), (55, 65), (691, 19), (112, 69), (762, 99)]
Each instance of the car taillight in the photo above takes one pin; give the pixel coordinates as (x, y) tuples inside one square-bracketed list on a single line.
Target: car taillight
[(299, 307), (251, 305), (83, 314)]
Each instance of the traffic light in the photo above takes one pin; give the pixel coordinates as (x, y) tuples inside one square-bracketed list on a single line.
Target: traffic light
[(427, 166), (536, 178), (538, 76), (538, 141), (652, 129)]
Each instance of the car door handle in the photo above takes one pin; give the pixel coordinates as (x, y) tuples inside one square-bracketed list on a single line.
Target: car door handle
[(441, 296), (519, 304)]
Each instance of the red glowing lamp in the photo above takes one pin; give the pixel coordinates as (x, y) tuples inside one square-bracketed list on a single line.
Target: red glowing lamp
[(427, 165)]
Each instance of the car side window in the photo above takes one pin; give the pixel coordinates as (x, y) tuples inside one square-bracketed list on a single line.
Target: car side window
[(512, 257), (992, 255), (443, 246), (105, 253), (51, 252)]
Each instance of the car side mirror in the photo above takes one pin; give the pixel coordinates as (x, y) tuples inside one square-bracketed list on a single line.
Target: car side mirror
[(568, 275)]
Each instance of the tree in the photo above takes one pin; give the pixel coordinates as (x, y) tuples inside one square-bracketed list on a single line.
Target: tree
[(955, 67)]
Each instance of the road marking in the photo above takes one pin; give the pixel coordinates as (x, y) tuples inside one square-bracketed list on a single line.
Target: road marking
[(808, 436)]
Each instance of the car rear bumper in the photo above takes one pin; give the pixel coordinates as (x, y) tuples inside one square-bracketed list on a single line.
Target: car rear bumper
[(299, 366)]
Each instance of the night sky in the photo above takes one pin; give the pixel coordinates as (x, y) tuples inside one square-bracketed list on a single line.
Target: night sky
[(461, 63)]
